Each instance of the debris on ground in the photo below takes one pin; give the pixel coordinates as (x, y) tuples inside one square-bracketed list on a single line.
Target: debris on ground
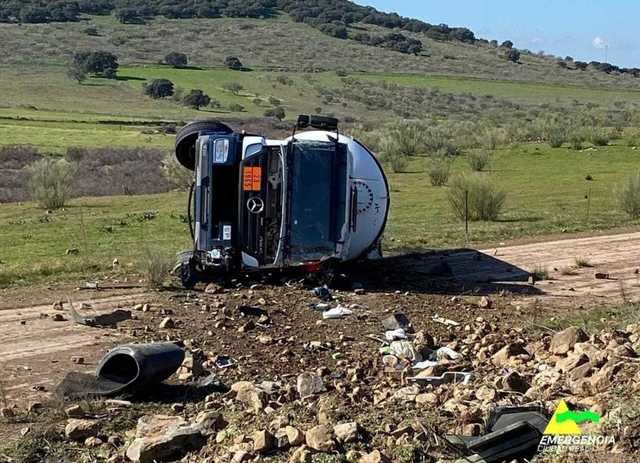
[(103, 320), (126, 369)]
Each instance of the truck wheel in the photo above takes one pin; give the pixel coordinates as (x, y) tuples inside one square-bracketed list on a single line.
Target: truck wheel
[(188, 135), (188, 275)]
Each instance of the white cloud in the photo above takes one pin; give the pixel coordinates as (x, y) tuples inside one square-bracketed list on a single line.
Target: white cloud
[(600, 43)]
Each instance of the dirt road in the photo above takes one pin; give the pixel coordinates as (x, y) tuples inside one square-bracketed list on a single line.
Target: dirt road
[(36, 351)]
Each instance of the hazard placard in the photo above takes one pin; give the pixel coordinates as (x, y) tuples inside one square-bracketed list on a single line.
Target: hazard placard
[(252, 179)]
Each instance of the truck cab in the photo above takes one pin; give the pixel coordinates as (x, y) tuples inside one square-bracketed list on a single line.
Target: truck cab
[(263, 204)]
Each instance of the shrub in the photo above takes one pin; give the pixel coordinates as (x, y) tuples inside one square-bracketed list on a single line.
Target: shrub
[(277, 112), (175, 173), (196, 99), (513, 55), (634, 140), (236, 108), (391, 152), (599, 137), (479, 160), (577, 137), (629, 196), (233, 62), (485, 200), (156, 267), (439, 170), (177, 60), (158, 88), (555, 135), (51, 182), (408, 136)]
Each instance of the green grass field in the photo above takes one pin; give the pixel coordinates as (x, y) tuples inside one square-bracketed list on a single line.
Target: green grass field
[(40, 106), (546, 194)]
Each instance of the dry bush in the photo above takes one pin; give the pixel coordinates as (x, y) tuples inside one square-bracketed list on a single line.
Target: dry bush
[(479, 160), (177, 175), (599, 136), (156, 267), (439, 170), (629, 196), (390, 152), (583, 262), (485, 201), (51, 182), (408, 136)]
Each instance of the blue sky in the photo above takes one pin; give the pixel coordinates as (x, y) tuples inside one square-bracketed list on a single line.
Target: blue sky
[(584, 29)]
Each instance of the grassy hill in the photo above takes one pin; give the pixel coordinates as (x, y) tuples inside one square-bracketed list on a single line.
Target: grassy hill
[(464, 96)]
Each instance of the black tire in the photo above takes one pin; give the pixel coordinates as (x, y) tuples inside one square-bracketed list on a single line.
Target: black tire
[(188, 275), (187, 136)]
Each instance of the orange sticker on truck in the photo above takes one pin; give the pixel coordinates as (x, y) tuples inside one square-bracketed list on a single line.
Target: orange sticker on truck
[(252, 179)]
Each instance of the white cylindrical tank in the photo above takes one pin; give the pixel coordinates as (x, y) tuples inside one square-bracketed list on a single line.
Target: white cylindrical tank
[(367, 178)]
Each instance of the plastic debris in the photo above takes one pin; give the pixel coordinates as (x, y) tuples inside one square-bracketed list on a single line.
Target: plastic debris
[(395, 335), (405, 350), (444, 321), (424, 365), (455, 377), (445, 353), (337, 312)]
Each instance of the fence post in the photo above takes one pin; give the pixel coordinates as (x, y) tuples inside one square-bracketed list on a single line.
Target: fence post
[(466, 218)]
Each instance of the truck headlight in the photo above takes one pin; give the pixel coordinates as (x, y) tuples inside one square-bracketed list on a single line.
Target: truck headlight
[(220, 151)]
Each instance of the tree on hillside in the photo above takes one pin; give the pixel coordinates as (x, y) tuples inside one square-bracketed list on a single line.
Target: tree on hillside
[(513, 55), (100, 63), (177, 60), (76, 72), (233, 62), (507, 44), (196, 99), (277, 112), (158, 88)]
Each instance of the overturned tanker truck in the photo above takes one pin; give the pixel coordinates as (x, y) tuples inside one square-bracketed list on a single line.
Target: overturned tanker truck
[(312, 200)]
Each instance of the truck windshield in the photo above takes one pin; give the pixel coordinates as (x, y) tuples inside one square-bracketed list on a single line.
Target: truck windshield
[(318, 199)]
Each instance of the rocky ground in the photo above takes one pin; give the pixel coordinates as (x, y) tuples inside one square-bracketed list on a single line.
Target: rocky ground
[(282, 383)]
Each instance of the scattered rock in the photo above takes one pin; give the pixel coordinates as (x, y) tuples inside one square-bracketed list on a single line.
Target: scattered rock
[(309, 384), (92, 442), (254, 398), (320, 438), (263, 441), (301, 455), (79, 430), (374, 457), (346, 432), (77, 359), (164, 438), (74, 411), (294, 435), (6, 413), (565, 340), (485, 303), (58, 317), (508, 355), (167, 324)]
